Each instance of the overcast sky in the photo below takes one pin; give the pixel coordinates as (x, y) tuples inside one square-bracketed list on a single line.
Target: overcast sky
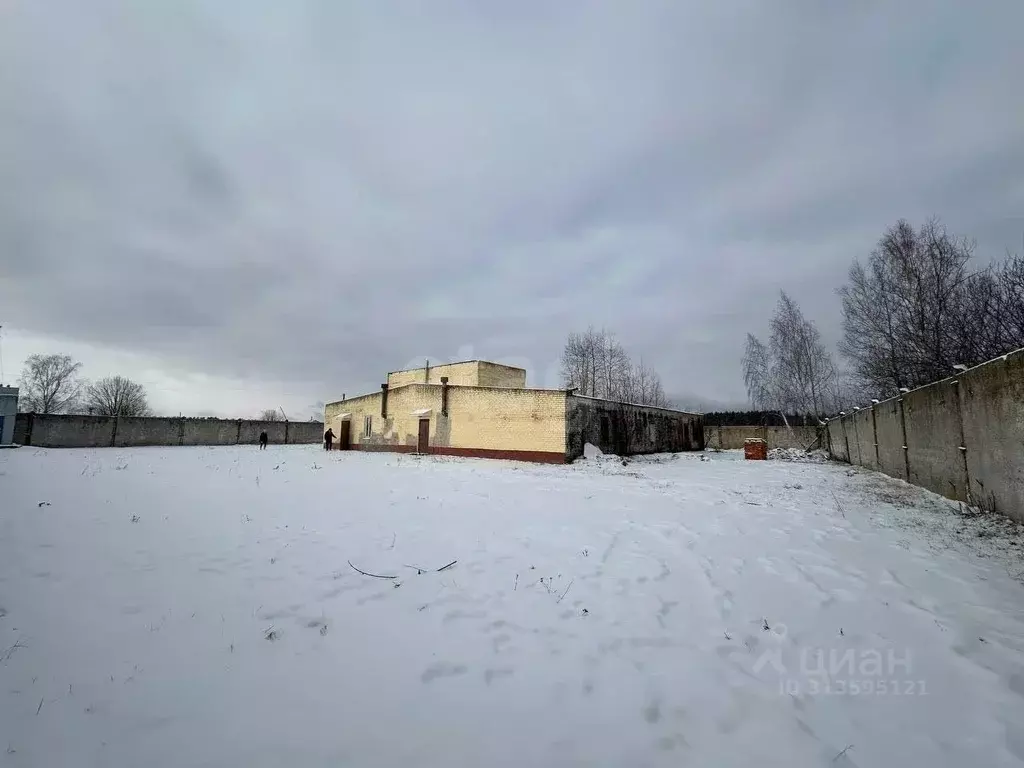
[(256, 203)]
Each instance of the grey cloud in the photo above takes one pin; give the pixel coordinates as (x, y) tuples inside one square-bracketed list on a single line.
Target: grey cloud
[(321, 192)]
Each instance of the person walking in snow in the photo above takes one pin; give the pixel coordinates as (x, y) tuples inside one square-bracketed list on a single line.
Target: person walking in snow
[(328, 439), (263, 439)]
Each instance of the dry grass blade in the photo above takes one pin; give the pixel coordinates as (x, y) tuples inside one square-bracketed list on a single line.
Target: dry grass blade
[(838, 505), (566, 591)]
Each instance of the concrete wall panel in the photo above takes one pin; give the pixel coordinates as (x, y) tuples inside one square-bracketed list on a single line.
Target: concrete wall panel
[(731, 438), (865, 429), (65, 431), (933, 439), (890, 438), (993, 408)]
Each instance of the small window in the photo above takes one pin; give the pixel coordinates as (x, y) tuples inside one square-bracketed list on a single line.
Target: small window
[(367, 426)]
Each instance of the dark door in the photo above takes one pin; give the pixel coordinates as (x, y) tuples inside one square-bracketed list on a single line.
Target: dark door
[(344, 436), (424, 438)]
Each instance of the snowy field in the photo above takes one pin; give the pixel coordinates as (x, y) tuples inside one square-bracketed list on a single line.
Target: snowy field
[(196, 607)]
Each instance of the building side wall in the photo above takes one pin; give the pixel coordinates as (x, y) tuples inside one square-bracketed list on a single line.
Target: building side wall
[(399, 429), (530, 420), (625, 429), (481, 421), (8, 414), (494, 375)]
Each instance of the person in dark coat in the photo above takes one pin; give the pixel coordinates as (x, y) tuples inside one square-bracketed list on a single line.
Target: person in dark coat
[(263, 439), (328, 439)]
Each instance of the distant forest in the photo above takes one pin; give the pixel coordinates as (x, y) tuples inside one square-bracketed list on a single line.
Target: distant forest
[(757, 418)]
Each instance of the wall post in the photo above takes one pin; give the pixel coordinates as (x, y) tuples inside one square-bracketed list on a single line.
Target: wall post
[(963, 447), (856, 434), (874, 432), (286, 431), (113, 432), (238, 433), (903, 431), (846, 439)]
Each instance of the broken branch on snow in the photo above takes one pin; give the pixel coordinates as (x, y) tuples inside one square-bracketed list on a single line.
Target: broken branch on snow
[(445, 567), (373, 575)]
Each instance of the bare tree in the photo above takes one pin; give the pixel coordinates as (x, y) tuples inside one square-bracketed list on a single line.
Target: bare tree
[(902, 310), (989, 317), (50, 384), (805, 372), (794, 373), (577, 363), (596, 364), (116, 396), (270, 414)]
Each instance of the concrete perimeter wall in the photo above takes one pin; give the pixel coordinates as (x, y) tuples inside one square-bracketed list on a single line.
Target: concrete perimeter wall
[(731, 438), (62, 431), (961, 437)]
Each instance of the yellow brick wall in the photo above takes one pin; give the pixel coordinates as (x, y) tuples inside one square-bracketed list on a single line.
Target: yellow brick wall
[(506, 419), (481, 418), (364, 402), (461, 374), (401, 426), (494, 375)]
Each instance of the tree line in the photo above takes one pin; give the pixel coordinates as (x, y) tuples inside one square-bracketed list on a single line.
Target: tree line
[(594, 363), (915, 310), (53, 384)]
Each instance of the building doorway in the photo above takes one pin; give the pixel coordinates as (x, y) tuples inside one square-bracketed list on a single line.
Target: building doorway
[(344, 435), (423, 441)]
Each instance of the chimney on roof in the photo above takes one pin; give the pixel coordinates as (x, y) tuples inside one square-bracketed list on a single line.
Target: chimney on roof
[(426, 372)]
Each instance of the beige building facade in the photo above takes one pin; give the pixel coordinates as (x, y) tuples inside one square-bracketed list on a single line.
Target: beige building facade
[(484, 409)]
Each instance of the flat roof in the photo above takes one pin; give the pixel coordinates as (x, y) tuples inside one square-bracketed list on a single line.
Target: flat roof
[(637, 405), (460, 362)]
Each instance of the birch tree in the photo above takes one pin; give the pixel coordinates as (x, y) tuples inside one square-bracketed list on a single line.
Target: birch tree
[(794, 372)]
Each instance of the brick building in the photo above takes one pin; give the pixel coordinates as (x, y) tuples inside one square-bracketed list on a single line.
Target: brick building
[(478, 408)]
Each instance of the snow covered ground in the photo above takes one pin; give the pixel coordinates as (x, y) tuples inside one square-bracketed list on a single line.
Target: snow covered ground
[(196, 606)]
